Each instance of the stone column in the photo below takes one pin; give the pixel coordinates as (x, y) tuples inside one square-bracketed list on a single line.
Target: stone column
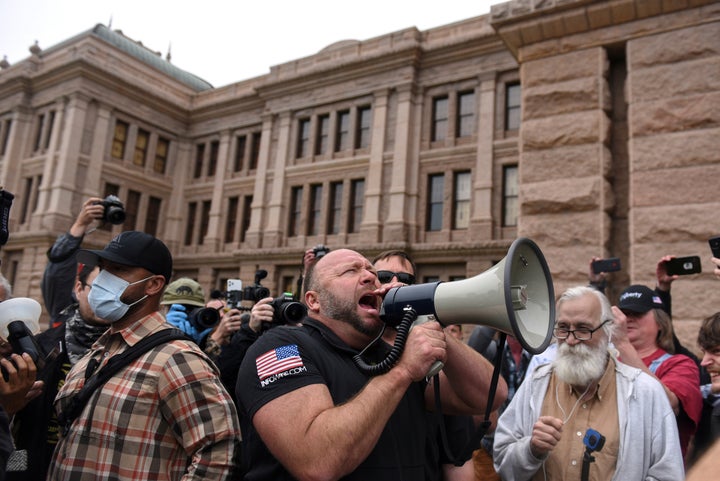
[(481, 210), (371, 223), (270, 234), (214, 237)]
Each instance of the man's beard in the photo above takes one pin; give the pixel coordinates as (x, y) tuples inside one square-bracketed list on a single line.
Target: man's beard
[(581, 364), (344, 310)]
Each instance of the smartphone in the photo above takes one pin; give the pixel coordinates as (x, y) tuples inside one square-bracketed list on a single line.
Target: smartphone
[(682, 266), (715, 246), (234, 292), (610, 264)]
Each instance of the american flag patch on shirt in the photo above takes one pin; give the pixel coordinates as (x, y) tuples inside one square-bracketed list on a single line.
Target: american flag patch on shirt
[(278, 360)]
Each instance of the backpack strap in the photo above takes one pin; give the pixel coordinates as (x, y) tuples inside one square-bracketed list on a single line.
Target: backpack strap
[(114, 364), (656, 363)]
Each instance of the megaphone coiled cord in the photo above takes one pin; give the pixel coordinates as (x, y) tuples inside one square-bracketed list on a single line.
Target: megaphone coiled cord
[(386, 364)]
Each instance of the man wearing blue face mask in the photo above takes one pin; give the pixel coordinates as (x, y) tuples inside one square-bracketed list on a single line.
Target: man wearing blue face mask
[(164, 416)]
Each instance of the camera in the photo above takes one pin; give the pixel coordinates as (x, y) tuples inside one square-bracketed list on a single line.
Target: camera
[(256, 291), (320, 250), (114, 210), (23, 341), (286, 310), (203, 318)]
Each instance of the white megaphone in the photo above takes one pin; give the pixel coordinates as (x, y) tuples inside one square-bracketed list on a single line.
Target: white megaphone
[(514, 296), (20, 309)]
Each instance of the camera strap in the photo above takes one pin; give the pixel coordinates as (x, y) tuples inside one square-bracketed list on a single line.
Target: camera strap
[(114, 364)]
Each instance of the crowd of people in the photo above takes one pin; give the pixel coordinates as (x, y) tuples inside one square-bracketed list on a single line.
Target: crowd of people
[(144, 377)]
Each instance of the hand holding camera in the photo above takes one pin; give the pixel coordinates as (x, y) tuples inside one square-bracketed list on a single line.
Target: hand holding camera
[(193, 323)]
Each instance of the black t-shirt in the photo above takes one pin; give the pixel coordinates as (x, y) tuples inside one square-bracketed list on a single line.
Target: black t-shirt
[(293, 357)]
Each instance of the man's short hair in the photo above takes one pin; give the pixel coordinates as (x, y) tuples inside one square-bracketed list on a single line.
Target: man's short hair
[(709, 333), (396, 253)]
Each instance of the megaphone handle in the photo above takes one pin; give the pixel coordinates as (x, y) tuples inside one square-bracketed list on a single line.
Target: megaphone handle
[(437, 365)]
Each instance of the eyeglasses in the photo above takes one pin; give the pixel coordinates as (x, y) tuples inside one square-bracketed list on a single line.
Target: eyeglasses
[(581, 334), (386, 276)]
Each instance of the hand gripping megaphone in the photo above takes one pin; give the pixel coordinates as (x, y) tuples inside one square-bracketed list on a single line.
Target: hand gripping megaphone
[(515, 296)]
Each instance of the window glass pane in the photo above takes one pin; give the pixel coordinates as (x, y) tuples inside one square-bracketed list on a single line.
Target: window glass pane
[(461, 219), (510, 196), (161, 155), (255, 154), (363, 130), (323, 134), (358, 200), (190, 226), (152, 217), (466, 114), (240, 144), (141, 144), (439, 118), (232, 213), (436, 186), (342, 137), (335, 219), (212, 165), (119, 138), (295, 211), (303, 146), (199, 157), (512, 107), (315, 211)]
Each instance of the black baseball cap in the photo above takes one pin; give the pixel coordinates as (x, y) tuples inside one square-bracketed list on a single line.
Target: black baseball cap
[(135, 249), (638, 298)]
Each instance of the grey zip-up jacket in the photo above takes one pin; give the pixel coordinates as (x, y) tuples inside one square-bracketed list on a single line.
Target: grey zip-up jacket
[(649, 441)]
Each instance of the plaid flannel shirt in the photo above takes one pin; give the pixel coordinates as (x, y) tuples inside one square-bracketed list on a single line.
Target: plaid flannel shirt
[(164, 417)]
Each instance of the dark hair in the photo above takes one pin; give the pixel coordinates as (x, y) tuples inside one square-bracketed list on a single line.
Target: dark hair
[(665, 331), (396, 253), (709, 333), (84, 272)]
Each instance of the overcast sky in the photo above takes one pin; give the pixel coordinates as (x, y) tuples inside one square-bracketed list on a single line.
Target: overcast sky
[(224, 41)]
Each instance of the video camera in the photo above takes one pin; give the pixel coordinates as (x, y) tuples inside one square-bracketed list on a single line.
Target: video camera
[(256, 291), (114, 212)]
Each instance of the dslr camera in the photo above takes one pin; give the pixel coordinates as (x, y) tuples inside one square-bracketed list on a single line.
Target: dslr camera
[(203, 318), (320, 250), (114, 212), (256, 291), (286, 310), (23, 341)]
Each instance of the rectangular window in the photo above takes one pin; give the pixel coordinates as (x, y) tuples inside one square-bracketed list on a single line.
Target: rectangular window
[(512, 106), (510, 196), (38, 132), (255, 154), (152, 219), (362, 137), (342, 132), (246, 212), (315, 209), (5, 136), (439, 118), (212, 164), (51, 124), (335, 211), (232, 212), (461, 201), (161, 155), (25, 206), (199, 156), (141, 146), (132, 204), (190, 226), (204, 221), (110, 189), (119, 139), (240, 145), (357, 201), (303, 145), (465, 114), (323, 134), (436, 188), (295, 211)]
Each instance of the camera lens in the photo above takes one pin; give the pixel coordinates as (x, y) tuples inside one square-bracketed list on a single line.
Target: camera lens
[(203, 318)]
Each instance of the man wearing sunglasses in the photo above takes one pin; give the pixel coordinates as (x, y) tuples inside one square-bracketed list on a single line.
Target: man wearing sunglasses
[(544, 433)]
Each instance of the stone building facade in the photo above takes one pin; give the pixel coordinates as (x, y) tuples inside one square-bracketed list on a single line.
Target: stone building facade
[(589, 126)]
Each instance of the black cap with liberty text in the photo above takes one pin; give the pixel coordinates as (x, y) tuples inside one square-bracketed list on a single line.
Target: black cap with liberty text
[(638, 298), (135, 249)]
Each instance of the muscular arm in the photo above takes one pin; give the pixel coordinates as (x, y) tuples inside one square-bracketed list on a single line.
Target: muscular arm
[(334, 439)]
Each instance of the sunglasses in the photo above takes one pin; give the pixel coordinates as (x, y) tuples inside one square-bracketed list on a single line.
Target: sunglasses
[(387, 276)]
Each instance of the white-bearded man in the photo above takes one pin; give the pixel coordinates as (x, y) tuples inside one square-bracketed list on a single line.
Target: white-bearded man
[(541, 433)]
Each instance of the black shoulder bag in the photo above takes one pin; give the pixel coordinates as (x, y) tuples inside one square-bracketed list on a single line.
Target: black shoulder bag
[(114, 364)]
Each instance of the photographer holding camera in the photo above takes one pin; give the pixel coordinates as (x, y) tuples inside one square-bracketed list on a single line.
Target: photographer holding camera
[(59, 276)]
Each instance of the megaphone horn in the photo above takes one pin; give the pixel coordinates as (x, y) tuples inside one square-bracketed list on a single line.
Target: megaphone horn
[(514, 296)]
